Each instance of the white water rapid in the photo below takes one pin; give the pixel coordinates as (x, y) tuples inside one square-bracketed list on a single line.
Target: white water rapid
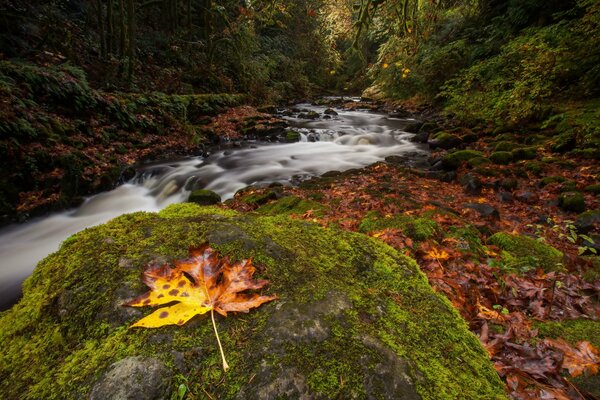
[(349, 140)]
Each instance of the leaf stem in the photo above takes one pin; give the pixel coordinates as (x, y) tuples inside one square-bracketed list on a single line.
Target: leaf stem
[(212, 316)]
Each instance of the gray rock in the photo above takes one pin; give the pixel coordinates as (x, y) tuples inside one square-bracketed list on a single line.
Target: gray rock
[(525, 196), (330, 111), (204, 197), (413, 126), (134, 378), (485, 210), (421, 137), (586, 221)]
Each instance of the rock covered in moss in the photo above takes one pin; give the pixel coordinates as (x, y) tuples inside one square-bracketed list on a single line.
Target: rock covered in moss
[(586, 221), (524, 153), (501, 157), (444, 140), (204, 197), (523, 250), (453, 160), (350, 309), (572, 201)]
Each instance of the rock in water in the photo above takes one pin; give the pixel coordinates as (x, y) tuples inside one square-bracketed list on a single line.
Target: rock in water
[(354, 318)]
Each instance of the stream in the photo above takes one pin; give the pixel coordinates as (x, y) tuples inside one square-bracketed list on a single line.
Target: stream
[(351, 139)]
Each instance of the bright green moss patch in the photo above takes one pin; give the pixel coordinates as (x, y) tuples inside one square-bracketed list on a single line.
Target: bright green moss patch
[(291, 205), (524, 253), (348, 305), (573, 331), (421, 228), (453, 160)]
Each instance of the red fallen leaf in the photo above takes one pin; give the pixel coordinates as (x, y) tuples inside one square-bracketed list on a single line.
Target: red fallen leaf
[(583, 359)]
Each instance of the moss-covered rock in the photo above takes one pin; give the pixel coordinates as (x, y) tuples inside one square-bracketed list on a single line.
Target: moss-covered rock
[(523, 253), (477, 161), (350, 309), (501, 157), (551, 179), (524, 153), (204, 197), (504, 146), (453, 160), (595, 188), (444, 140), (571, 201), (420, 228)]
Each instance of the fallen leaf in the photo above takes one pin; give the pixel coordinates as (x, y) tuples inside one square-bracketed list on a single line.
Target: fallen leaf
[(584, 358), (204, 282)]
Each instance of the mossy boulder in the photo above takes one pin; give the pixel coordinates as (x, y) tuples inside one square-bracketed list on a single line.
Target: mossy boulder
[(504, 146), (571, 201), (501, 157), (594, 188), (453, 160), (350, 309), (524, 153), (204, 197), (292, 136), (444, 140), (523, 253), (587, 221), (477, 161)]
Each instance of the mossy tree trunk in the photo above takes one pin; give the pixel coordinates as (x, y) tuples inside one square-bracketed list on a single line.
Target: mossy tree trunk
[(110, 36)]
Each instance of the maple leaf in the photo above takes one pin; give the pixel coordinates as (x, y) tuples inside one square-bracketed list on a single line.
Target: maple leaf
[(585, 358), (204, 282)]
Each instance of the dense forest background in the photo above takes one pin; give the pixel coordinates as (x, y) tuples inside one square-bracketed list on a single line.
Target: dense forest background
[(112, 73)]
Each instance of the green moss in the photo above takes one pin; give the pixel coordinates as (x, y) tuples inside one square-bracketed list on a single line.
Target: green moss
[(504, 146), (524, 153), (522, 252), (468, 238), (551, 179), (477, 161), (573, 331), (291, 205), (501, 157), (420, 229), (453, 160), (70, 325), (572, 201), (595, 188)]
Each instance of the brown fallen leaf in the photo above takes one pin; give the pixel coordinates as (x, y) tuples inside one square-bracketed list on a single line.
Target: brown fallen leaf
[(205, 282), (584, 358)]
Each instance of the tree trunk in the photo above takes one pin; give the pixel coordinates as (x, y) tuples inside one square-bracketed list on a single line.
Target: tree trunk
[(102, 33), (110, 38), (122, 29), (131, 40)]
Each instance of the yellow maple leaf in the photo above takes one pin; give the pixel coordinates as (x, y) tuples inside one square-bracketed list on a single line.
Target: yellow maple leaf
[(202, 283)]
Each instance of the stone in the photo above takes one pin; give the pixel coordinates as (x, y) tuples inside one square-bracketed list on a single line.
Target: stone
[(204, 197), (421, 137), (484, 209), (587, 221), (524, 153), (572, 201), (309, 115), (526, 196), (525, 250), (413, 126), (400, 113), (444, 140), (471, 184), (501, 157), (330, 111), (452, 161), (350, 309), (134, 378)]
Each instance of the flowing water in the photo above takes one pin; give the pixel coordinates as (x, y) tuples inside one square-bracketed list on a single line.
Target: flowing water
[(349, 140)]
